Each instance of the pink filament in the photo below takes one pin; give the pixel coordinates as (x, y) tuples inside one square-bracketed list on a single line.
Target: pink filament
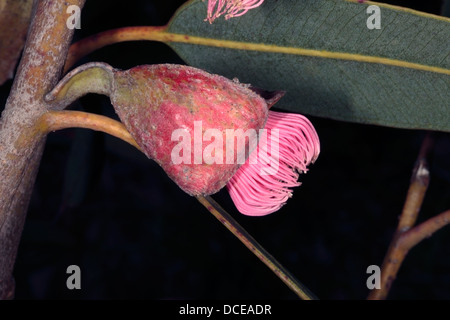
[(257, 195), (231, 8)]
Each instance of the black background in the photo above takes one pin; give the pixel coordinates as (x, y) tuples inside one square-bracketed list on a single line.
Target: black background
[(100, 204)]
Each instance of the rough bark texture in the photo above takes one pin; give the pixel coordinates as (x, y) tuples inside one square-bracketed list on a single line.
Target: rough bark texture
[(21, 143)]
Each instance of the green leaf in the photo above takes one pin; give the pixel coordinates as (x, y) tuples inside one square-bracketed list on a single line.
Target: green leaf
[(327, 59)]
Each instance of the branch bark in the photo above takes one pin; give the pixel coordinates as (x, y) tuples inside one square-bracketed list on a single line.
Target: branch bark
[(20, 146), (405, 237)]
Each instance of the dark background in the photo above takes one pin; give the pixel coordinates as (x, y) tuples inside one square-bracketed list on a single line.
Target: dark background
[(100, 204)]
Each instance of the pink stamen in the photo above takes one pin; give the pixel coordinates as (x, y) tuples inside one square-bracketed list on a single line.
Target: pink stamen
[(257, 195), (231, 8)]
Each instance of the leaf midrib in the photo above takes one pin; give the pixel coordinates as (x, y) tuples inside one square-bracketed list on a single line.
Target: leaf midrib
[(169, 37)]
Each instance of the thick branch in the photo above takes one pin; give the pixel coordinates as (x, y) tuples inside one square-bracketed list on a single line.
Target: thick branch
[(20, 148)]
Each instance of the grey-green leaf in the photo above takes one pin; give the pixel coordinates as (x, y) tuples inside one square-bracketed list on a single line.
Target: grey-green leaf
[(330, 63)]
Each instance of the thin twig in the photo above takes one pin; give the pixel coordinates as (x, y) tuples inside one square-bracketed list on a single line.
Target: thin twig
[(420, 180), (416, 193), (424, 230), (57, 120), (87, 45), (232, 225)]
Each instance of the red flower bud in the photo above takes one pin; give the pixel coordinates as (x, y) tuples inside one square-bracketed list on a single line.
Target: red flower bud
[(201, 128), (154, 101)]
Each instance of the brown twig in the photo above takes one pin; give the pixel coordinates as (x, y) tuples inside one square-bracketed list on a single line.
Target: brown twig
[(424, 230), (57, 120), (87, 45), (418, 187), (406, 236)]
